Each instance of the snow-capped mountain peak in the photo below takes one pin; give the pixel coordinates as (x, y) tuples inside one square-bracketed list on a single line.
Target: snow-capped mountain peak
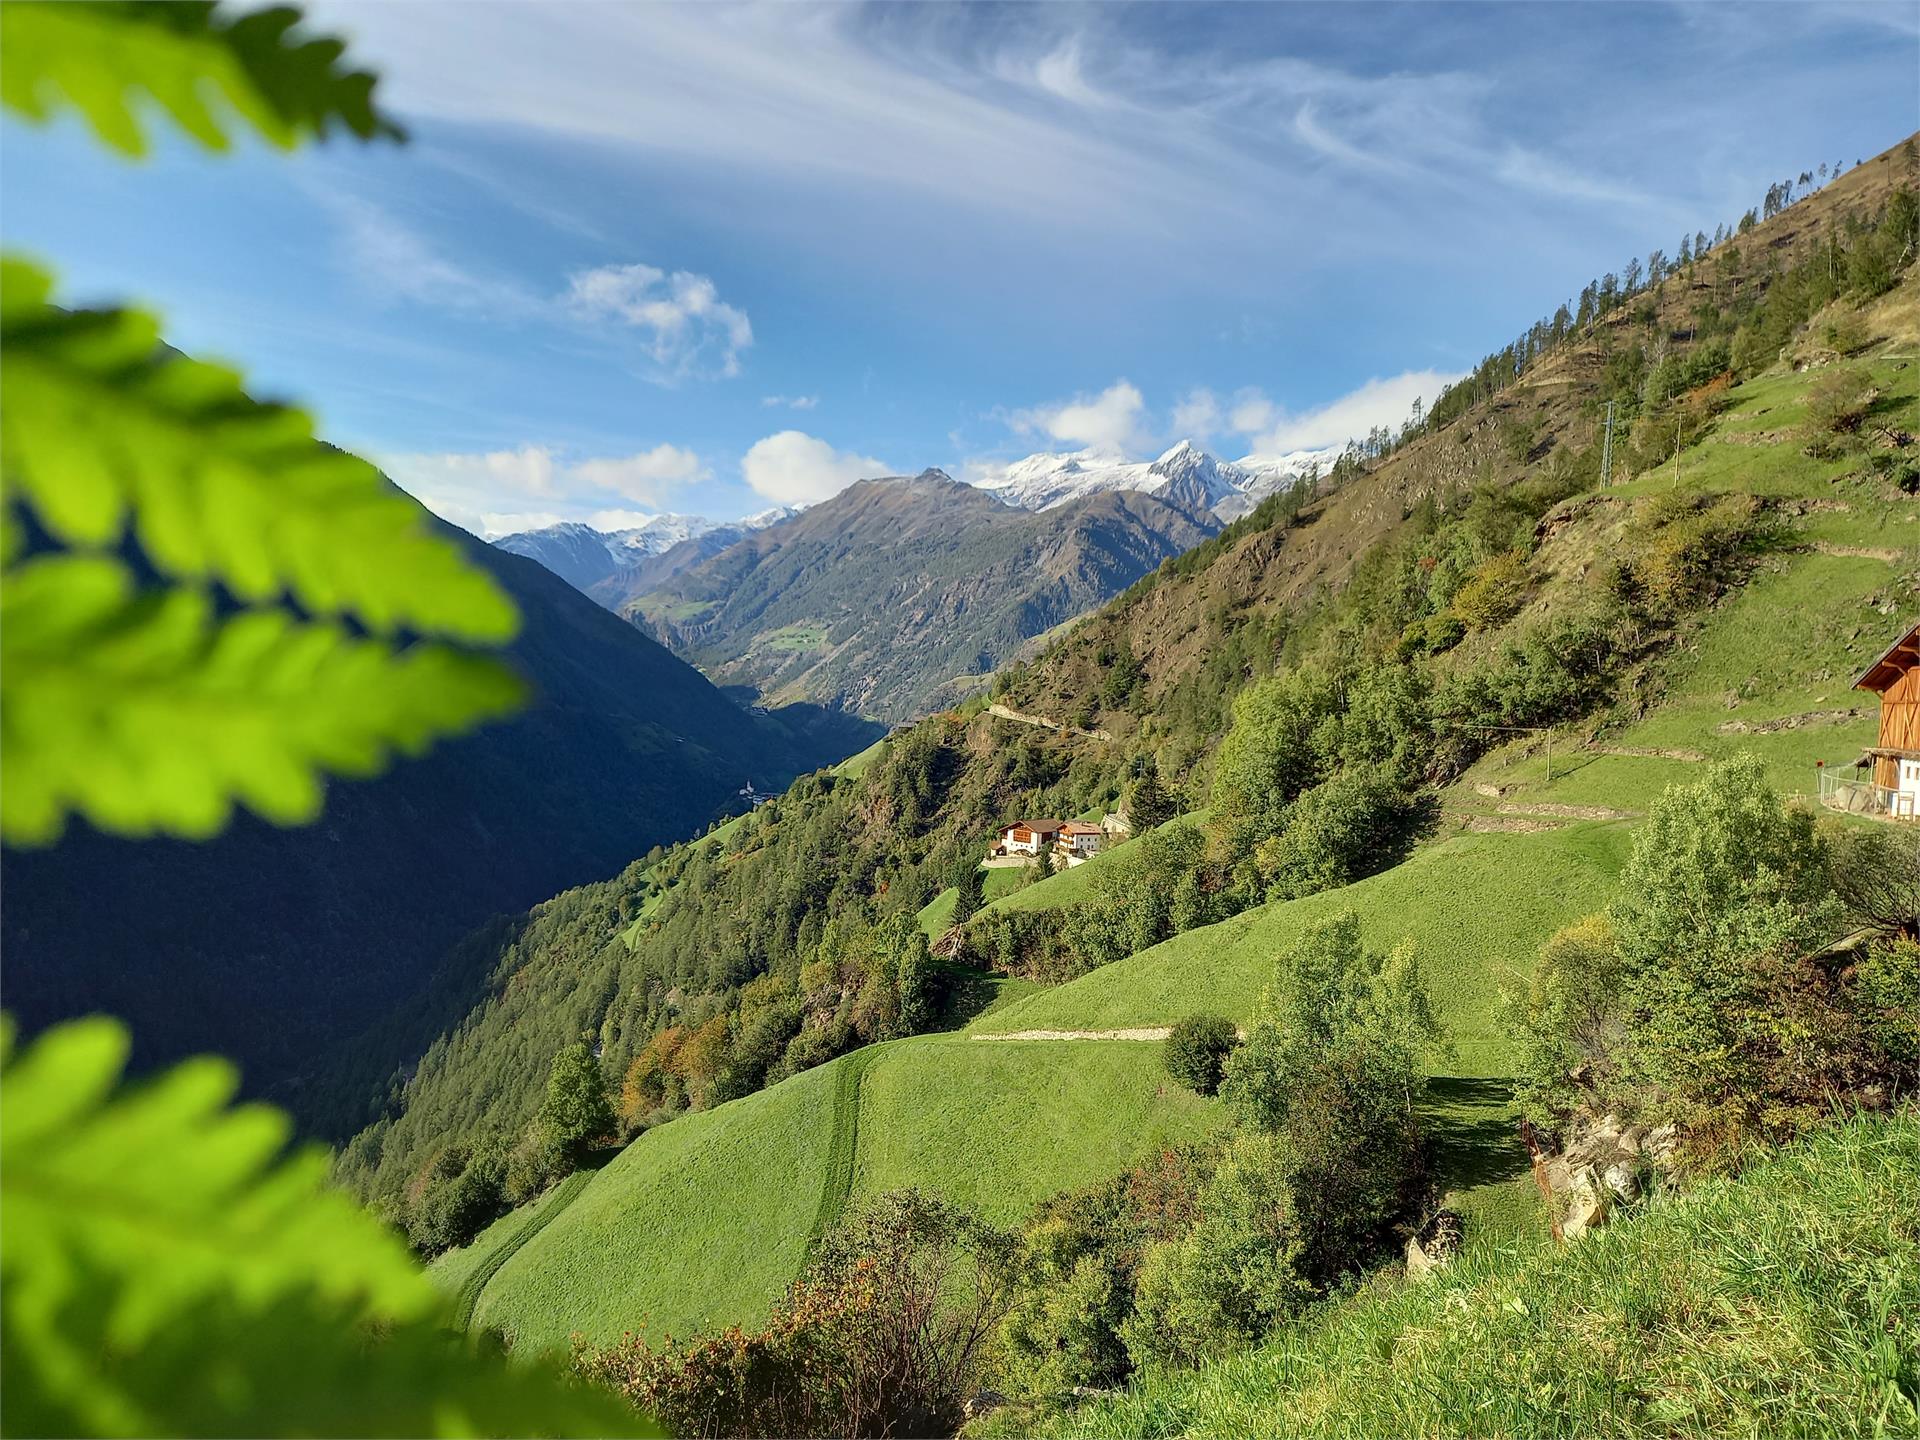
[(1185, 474)]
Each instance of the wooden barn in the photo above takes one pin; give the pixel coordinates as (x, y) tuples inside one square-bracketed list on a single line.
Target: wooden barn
[(1894, 786)]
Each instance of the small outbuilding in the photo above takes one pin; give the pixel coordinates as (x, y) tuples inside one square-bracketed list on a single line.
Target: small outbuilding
[(1887, 779)]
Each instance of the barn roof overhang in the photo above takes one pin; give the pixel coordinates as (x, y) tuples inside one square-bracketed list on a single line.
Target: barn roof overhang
[(1894, 661)]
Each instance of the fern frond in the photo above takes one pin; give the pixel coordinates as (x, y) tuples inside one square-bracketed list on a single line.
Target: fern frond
[(101, 421), (149, 712), (164, 1271), (199, 64)]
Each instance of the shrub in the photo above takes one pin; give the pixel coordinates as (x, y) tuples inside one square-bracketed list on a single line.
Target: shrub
[(1354, 825), (1333, 1067), (1235, 1274), (1081, 1259), (1837, 403), (1569, 1022), (885, 1333), (1493, 593), (1197, 1049)]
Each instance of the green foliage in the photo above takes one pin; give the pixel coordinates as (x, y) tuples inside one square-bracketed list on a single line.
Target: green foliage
[(577, 1114), (1682, 550), (970, 891), (1333, 1067), (1271, 755), (166, 1273), (1569, 1022), (104, 424), (1235, 1274), (1082, 1253), (1493, 593), (106, 60), (1778, 1303), (1837, 404), (1342, 830), (1712, 998), (1196, 1051), (149, 712)]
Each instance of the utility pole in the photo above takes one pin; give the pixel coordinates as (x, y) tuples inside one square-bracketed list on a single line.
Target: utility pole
[(1606, 451)]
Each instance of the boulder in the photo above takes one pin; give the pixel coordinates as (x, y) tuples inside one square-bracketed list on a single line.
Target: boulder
[(983, 1402)]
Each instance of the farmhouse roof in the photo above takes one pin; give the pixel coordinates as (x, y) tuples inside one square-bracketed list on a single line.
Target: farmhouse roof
[(1039, 827), (1894, 661), (1081, 827)]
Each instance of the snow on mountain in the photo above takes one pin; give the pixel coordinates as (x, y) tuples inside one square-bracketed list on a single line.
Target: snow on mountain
[(1186, 474), (584, 556)]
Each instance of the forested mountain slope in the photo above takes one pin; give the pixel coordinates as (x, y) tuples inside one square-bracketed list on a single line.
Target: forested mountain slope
[(1473, 580), (896, 595), (273, 945)]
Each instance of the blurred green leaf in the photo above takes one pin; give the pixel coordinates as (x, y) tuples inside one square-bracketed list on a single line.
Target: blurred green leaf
[(201, 65), (149, 712), (101, 421), (164, 1271)]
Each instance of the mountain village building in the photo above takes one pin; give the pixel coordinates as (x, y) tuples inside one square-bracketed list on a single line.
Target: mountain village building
[(1028, 837), (1891, 786), (1074, 841)]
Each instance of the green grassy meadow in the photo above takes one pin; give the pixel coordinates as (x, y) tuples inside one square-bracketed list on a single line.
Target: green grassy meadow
[(1785, 1302), (936, 916), (1477, 906), (697, 1224), (702, 1222), (1000, 1125)]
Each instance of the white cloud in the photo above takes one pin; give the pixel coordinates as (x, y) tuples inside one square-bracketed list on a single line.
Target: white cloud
[(793, 468), (1198, 416), (381, 253), (1273, 430), (688, 328), (789, 402), (500, 491), (648, 476), (1108, 422)]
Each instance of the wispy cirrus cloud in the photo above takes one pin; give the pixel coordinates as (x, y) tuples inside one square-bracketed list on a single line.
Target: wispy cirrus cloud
[(683, 328)]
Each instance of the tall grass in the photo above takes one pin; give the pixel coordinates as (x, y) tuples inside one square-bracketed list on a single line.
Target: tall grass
[(1782, 1303)]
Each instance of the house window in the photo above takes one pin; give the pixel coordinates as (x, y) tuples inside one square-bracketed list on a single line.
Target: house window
[(1910, 774)]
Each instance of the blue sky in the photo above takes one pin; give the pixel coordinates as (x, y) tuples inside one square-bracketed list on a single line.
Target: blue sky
[(709, 259)]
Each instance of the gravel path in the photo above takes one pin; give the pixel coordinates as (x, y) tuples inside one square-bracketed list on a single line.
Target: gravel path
[(1144, 1032)]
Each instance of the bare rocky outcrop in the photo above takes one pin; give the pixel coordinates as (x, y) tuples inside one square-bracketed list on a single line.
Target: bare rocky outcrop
[(1435, 1244), (1606, 1167)]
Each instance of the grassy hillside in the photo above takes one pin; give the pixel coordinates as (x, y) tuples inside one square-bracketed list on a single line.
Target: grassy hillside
[(1781, 1303), (702, 1222), (697, 1224), (1477, 906), (1341, 585)]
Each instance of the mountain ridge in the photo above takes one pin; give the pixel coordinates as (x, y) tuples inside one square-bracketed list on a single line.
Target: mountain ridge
[(890, 597)]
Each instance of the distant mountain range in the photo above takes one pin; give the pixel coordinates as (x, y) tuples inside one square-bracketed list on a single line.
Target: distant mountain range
[(614, 566), (814, 605), (1185, 475), (898, 595)]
